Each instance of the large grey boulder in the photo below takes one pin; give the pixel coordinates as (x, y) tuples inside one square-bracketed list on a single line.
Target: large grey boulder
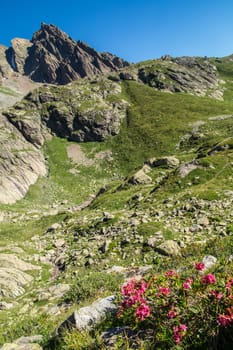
[(13, 275), (24, 343), (169, 248), (166, 162), (140, 177), (88, 316)]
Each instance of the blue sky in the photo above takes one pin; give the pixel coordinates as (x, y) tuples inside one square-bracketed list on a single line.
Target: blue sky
[(133, 29)]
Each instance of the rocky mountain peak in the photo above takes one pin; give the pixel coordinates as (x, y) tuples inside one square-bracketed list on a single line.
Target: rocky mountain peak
[(54, 57)]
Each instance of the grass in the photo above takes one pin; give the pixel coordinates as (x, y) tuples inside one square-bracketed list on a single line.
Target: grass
[(154, 125), (156, 121), (7, 91)]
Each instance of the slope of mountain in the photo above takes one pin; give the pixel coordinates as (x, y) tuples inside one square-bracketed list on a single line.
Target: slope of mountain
[(106, 178)]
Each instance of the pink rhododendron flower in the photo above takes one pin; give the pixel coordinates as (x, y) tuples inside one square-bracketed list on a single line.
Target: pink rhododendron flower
[(229, 284), (129, 288), (224, 320), (172, 314), (216, 294), (208, 279), (199, 266), (142, 311), (179, 332), (164, 291), (188, 283), (171, 273), (132, 293)]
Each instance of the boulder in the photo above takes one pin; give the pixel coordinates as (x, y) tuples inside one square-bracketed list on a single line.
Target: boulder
[(140, 178), (166, 162), (24, 343), (169, 248), (209, 261), (88, 316)]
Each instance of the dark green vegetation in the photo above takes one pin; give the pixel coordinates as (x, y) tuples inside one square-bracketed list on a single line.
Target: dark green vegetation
[(190, 203)]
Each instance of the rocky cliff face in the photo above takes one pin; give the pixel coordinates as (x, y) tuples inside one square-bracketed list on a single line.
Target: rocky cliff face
[(85, 111), (20, 163), (54, 57), (81, 111), (193, 75)]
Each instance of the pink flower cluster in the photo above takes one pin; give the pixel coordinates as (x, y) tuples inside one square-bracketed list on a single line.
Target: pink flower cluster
[(165, 296), (172, 313), (179, 332), (226, 320), (208, 279), (171, 273), (217, 295), (188, 283), (163, 291), (199, 266), (229, 284), (133, 295), (142, 311)]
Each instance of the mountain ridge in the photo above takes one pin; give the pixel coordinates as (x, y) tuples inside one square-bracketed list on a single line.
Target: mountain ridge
[(107, 178), (51, 56)]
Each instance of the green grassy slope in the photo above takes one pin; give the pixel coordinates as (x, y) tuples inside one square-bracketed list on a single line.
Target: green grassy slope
[(157, 124)]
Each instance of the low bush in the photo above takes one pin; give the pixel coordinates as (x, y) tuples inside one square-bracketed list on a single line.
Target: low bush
[(180, 311)]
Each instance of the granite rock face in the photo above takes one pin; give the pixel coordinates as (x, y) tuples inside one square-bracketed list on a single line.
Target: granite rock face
[(21, 163), (79, 112), (193, 75), (54, 57)]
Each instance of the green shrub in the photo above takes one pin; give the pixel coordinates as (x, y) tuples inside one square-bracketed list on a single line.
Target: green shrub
[(180, 310)]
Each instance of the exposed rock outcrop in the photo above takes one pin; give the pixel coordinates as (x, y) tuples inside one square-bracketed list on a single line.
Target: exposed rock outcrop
[(193, 75), (5, 67), (19, 52), (88, 316), (20, 163), (78, 112), (54, 57), (13, 275)]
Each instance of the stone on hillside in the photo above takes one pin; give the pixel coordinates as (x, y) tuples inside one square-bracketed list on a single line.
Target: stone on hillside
[(169, 248), (59, 243), (54, 227), (105, 247), (140, 178), (12, 261), (5, 306), (127, 76), (12, 282), (88, 316), (203, 221), (209, 261), (186, 169), (110, 336), (13, 346), (153, 240), (13, 277), (166, 162), (57, 291)]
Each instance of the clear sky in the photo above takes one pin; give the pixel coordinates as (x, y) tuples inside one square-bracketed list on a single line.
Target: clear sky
[(133, 29)]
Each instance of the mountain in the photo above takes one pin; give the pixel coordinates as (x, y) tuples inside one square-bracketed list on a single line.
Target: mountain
[(54, 57), (123, 173)]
